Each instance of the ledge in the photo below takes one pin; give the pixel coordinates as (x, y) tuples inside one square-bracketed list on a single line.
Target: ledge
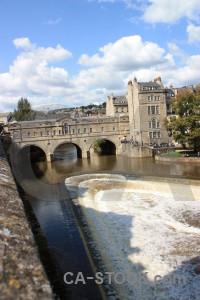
[(21, 273), (195, 160)]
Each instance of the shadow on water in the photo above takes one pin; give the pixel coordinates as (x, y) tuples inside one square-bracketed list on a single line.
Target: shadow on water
[(60, 222)]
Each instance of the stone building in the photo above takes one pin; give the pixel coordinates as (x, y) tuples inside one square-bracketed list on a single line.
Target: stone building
[(147, 105)]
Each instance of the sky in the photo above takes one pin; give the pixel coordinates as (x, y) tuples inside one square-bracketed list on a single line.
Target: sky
[(76, 52)]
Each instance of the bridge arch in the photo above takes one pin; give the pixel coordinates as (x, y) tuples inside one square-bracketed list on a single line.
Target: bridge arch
[(61, 146), (110, 146), (33, 150)]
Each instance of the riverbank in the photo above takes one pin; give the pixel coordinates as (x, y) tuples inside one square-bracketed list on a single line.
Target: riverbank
[(195, 160), (21, 273)]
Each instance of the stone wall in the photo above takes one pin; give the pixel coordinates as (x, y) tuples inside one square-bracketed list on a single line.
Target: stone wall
[(21, 274), (189, 160), (130, 150)]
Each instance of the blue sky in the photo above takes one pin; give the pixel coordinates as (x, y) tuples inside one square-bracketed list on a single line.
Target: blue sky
[(78, 52)]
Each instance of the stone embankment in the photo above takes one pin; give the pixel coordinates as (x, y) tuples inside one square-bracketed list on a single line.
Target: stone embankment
[(195, 160), (21, 273)]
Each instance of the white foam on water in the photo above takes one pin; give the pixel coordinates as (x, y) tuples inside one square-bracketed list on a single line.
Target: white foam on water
[(141, 226)]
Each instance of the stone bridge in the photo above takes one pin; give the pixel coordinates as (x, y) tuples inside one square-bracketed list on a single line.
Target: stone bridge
[(48, 135)]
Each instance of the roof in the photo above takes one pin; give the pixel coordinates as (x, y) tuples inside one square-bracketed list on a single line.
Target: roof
[(120, 100), (5, 114), (150, 84)]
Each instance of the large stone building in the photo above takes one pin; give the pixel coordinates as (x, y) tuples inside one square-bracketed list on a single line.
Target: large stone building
[(147, 104)]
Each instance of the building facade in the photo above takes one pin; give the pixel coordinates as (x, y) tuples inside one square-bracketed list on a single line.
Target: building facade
[(147, 104)]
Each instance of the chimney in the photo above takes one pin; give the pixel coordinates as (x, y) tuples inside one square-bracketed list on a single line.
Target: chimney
[(159, 81)]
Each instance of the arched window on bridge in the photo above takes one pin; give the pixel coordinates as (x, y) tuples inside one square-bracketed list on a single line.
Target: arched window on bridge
[(66, 129)]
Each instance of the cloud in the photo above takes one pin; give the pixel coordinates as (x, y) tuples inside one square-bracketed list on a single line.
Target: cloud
[(31, 74), (170, 11), (193, 33), (160, 11), (125, 54), (22, 43), (53, 22), (34, 74)]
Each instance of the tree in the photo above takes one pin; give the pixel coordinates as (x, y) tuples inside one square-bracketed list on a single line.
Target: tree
[(24, 111), (185, 127)]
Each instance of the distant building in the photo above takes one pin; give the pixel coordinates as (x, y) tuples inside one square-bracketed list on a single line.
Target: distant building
[(5, 117)]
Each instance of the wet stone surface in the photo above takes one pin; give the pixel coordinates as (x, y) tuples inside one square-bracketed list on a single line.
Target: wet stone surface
[(21, 273)]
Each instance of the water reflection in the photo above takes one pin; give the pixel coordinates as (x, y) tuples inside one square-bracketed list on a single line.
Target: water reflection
[(60, 169)]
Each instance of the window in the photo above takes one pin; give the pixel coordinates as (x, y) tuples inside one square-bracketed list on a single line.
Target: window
[(153, 110), (157, 109), (150, 135), (168, 107), (154, 135), (113, 128), (155, 98), (73, 131), (35, 133), (59, 132), (158, 97), (54, 132), (47, 132), (149, 111), (122, 109), (84, 130), (90, 129), (65, 129), (116, 109), (158, 134), (41, 133), (149, 98), (149, 124), (102, 128), (79, 130), (153, 123), (158, 124), (29, 134)]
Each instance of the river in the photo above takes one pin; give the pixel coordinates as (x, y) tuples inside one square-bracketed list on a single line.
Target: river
[(63, 227)]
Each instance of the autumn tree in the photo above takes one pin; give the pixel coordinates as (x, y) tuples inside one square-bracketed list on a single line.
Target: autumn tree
[(24, 111), (185, 126)]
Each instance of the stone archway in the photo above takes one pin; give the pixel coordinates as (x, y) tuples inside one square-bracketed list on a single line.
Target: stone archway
[(65, 149), (105, 145)]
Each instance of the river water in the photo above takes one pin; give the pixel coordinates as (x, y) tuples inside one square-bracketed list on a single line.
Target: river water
[(61, 225)]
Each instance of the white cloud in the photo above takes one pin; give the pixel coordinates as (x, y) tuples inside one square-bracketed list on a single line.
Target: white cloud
[(22, 43), (193, 33), (53, 22), (170, 11), (32, 74), (125, 54)]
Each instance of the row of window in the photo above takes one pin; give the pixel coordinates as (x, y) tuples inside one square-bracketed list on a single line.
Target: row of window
[(73, 131), (123, 109), (154, 124), (152, 97), (154, 135), (153, 110)]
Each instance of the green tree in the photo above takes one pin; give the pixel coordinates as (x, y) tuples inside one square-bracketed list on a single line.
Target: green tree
[(24, 111), (185, 127)]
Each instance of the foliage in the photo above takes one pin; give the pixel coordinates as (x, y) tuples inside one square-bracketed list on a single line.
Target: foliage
[(173, 154), (185, 127), (99, 145), (24, 111)]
